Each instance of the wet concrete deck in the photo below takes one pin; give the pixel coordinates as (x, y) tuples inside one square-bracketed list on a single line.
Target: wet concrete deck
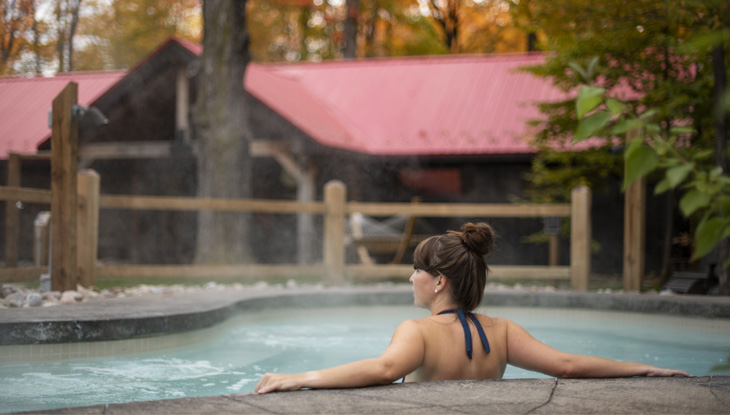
[(144, 316)]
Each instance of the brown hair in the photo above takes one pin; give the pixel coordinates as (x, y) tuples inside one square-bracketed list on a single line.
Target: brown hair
[(460, 257)]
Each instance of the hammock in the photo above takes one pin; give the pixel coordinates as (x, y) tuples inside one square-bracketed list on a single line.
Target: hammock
[(392, 235)]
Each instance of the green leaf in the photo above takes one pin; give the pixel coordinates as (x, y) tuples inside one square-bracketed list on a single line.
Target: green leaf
[(625, 125), (703, 154), (681, 130), (725, 205), (591, 68), (693, 200), (708, 234), (661, 187), (615, 106), (648, 114), (582, 72), (639, 160), (591, 124), (653, 128), (676, 175), (589, 97)]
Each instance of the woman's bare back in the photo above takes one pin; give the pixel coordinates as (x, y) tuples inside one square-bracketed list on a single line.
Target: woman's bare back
[(445, 354)]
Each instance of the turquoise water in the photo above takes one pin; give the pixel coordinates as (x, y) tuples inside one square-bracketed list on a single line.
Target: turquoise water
[(237, 353)]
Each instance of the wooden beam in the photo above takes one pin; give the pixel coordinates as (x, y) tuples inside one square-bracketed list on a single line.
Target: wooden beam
[(261, 147), (364, 272), (126, 150), (219, 272), (64, 159), (193, 204), (580, 238), (634, 234), (21, 274), (335, 199), (462, 209), (25, 195), (40, 156), (182, 105), (88, 226), (12, 216)]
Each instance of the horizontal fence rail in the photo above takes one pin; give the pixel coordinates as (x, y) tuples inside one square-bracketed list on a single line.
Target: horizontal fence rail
[(334, 210), (460, 209), (196, 204)]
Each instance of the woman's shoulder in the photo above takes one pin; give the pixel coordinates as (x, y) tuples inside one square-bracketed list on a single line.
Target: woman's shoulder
[(493, 321)]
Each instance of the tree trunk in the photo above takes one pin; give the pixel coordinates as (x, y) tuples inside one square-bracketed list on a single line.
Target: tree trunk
[(75, 7), (353, 11), (718, 65), (222, 130)]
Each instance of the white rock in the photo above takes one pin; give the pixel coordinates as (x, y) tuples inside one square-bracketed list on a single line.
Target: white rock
[(69, 297), (34, 300)]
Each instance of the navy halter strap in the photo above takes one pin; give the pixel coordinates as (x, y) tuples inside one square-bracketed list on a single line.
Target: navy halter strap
[(467, 333)]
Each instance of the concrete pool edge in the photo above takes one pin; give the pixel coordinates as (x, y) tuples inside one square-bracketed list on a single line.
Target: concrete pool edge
[(701, 395), (144, 316)]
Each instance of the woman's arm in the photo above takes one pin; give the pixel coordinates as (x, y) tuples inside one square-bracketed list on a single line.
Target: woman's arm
[(403, 356), (526, 352)]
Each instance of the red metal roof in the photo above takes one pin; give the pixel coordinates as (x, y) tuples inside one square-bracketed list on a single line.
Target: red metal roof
[(447, 105), (25, 103)]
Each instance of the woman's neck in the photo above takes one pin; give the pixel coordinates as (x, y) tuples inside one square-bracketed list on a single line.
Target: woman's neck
[(443, 303)]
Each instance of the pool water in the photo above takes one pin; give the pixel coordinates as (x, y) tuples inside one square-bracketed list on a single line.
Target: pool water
[(238, 352)]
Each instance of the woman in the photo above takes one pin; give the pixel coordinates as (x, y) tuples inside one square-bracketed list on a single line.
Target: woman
[(453, 343)]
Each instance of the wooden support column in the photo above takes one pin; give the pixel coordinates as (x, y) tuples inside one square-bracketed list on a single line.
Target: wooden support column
[(88, 226), (580, 238), (41, 239), (182, 106), (634, 234), (12, 216), (305, 221), (305, 177), (335, 199), (554, 250), (64, 159)]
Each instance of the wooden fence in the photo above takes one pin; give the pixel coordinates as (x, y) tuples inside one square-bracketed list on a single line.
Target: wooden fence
[(335, 208)]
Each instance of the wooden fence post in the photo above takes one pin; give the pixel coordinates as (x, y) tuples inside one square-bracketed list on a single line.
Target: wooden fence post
[(64, 159), (12, 216), (335, 198), (88, 226), (634, 234), (580, 238)]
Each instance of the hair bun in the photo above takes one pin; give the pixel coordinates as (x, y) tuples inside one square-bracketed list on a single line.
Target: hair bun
[(478, 237)]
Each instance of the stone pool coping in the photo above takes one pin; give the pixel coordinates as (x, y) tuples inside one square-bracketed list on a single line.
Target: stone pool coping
[(144, 316), (122, 318), (701, 395)]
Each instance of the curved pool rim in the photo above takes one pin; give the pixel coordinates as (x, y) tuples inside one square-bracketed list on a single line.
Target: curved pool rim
[(144, 316)]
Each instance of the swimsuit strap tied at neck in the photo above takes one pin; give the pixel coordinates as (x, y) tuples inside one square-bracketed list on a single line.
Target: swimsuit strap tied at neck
[(467, 333)]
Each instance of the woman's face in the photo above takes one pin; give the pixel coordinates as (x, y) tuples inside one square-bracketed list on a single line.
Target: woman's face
[(424, 285)]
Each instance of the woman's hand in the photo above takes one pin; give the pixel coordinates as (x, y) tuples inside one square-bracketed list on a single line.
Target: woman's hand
[(657, 372), (275, 382)]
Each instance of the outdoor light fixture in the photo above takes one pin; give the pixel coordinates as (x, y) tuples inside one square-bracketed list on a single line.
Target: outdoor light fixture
[(88, 117)]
